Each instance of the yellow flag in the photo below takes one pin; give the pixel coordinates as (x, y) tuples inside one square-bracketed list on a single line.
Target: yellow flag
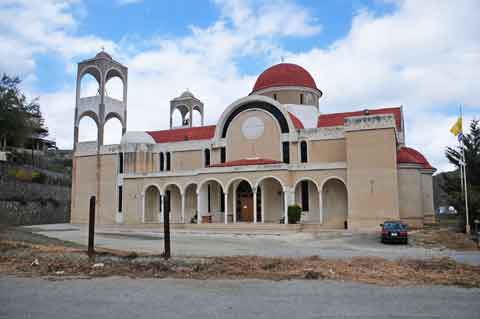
[(457, 127)]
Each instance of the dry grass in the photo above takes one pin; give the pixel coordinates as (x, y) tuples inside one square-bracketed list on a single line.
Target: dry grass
[(60, 262), (444, 238)]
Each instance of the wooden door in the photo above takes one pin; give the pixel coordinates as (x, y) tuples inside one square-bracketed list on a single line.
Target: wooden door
[(246, 210)]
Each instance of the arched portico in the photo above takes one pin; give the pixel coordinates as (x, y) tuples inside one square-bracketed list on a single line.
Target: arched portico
[(172, 203), (307, 196), (270, 204), (211, 202), (151, 204), (334, 203)]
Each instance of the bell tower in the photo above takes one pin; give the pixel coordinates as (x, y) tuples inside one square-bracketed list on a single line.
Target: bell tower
[(186, 103), (100, 107)]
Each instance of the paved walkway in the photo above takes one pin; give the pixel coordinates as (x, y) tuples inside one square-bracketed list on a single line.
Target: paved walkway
[(243, 299), (339, 244)]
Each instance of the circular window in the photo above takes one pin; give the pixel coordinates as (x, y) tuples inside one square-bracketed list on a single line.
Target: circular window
[(252, 128)]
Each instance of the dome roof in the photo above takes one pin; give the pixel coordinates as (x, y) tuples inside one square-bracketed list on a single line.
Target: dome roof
[(187, 93), (137, 137), (284, 74), (409, 155), (103, 54)]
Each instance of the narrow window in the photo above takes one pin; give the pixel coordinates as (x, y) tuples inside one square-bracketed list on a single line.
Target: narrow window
[(223, 156), (222, 201), (168, 161), (207, 157), (162, 163), (286, 152), (120, 163), (160, 203), (305, 203), (303, 152), (120, 197), (301, 98), (209, 199), (275, 96)]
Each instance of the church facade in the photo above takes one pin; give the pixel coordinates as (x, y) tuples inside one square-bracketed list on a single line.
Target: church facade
[(269, 150)]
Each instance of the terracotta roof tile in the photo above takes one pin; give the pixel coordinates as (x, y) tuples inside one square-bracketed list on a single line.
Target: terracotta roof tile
[(296, 121), (183, 134), (338, 119), (408, 155), (284, 74)]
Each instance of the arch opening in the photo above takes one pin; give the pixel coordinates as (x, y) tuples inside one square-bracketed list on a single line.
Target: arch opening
[(270, 200), (112, 131), (211, 202), (196, 117), (173, 203), (87, 129), (152, 204), (178, 116), (190, 194), (307, 197), (89, 86), (335, 203), (114, 88)]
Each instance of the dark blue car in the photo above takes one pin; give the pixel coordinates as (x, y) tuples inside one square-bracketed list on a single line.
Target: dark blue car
[(394, 232)]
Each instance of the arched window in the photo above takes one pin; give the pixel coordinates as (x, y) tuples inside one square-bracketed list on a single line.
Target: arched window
[(301, 98), (223, 155), (120, 163), (207, 157), (275, 96), (305, 197), (162, 162), (303, 152), (167, 166)]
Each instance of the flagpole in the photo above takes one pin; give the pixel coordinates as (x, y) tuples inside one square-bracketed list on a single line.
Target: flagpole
[(467, 224)]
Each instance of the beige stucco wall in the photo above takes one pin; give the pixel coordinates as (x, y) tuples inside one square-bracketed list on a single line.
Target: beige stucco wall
[(410, 197), (327, 151), (372, 177), (108, 189), (266, 146), (85, 187), (427, 197), (292, 96), (187, 160)]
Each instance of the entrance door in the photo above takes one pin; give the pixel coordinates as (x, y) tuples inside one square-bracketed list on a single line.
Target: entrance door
[(246, 211)]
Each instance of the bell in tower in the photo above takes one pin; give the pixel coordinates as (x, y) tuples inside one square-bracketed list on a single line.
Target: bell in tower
[(186, 104)]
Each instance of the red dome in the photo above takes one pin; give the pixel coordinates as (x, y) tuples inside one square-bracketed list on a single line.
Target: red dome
[(284, 74), (410, 156)]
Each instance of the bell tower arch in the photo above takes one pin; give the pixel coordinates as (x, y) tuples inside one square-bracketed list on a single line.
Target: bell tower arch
[(100, 107), (186, 104)]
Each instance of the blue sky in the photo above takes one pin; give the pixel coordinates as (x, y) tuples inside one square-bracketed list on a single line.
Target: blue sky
[(424, 55)]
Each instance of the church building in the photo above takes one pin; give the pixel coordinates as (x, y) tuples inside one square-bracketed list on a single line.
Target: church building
[(271, 149)]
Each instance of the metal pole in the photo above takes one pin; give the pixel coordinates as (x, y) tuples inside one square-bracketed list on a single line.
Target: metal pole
[(467, 224), (166, 228), (91, 228)]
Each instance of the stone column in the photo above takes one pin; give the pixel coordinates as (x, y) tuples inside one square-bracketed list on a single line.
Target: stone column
[(183, 207), (226, 207), (287, 196), (320, 206), (142, 196), (254, 190), (199, 217), (162, 206)]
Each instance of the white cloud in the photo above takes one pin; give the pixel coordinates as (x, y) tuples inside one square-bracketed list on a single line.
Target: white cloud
[(424, 55)]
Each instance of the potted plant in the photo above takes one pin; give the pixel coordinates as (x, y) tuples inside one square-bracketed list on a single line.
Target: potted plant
[(294, 214)]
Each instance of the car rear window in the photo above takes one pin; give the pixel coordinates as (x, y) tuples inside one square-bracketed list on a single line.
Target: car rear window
[(394, 226)]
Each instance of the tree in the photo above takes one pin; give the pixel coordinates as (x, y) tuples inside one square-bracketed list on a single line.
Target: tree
[(19, 119), (471, 148)]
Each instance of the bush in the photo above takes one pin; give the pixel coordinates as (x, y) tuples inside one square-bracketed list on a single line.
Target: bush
[(23, 175), (294, 214), (39, 177)]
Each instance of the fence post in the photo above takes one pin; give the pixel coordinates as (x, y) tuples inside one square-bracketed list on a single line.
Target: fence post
[(91, 228)]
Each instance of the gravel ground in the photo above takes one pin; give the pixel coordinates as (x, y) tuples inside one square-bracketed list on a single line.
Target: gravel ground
[(116, 297), (333, 245)]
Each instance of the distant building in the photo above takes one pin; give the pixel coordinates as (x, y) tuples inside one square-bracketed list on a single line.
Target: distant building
[(270, 149)]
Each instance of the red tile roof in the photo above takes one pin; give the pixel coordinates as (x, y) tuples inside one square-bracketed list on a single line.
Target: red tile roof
[(284, 74), (338, 119), (408, 155), (183, 134), (246, 162), (296, 121)]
